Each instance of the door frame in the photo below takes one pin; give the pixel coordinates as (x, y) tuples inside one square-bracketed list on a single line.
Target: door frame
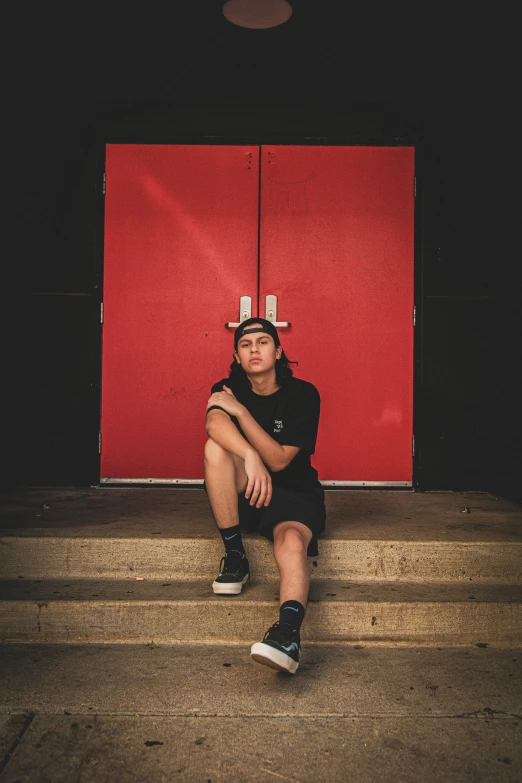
[(150, 136)]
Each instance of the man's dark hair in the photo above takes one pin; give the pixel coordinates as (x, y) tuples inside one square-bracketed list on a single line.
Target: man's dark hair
[(283, 372)]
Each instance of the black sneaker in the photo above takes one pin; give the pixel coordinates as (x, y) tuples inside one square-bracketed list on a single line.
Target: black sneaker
[(233, 573), (280, 649)]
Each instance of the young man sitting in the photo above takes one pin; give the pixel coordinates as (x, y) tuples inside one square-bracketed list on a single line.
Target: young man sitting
[(262, 427)]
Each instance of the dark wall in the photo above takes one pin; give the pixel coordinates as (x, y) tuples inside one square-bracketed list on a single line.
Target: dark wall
[(505, 333), (50, 308), (466, 398), (453, 394)]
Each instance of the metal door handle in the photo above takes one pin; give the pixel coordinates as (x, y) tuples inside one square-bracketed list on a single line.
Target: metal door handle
[(271, 311), (245, 311)]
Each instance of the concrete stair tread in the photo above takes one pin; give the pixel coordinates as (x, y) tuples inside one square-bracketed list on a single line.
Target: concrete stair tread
[(259, 591), (134, 512), (358, 680)]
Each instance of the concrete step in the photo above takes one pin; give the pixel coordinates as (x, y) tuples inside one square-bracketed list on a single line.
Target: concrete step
[(45, 557), (127, 611), (340, 680), (158, 533), (394, 568)]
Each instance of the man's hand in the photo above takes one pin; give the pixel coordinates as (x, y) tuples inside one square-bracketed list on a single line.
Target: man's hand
[(259, 486), (226, 400)]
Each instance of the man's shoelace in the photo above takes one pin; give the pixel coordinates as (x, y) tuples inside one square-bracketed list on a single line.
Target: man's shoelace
[(230, 564), (281, 633)]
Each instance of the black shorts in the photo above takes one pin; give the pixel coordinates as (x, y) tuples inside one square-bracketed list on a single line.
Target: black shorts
[(286, 505)]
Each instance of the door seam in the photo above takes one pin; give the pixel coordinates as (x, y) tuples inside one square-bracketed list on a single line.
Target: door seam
[(258, 311)]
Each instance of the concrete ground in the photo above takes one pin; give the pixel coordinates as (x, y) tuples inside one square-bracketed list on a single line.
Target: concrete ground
[(205, 712), (128, 713)]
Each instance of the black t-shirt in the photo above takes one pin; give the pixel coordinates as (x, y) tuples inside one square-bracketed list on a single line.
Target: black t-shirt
[(291, 417)]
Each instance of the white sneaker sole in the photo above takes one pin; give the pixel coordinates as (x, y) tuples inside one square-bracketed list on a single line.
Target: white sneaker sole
[(269, 656), (228, 588)]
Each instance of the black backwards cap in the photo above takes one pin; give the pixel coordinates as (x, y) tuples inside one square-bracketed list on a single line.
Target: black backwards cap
[(245, 328)]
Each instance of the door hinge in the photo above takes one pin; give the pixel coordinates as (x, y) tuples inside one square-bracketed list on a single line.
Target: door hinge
[(101, 312), (413, 445), (414, 187), (99, 442), (104, 183), (414, 314)]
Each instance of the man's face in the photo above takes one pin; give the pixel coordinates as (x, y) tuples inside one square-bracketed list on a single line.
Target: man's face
[(257, 353)]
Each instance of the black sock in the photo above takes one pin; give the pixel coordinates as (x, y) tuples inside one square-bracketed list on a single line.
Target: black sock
[(292, 612), (232, 539)]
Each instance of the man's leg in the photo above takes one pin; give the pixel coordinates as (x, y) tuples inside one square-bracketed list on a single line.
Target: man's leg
[(291, 541), (281, 646), (224, 477)]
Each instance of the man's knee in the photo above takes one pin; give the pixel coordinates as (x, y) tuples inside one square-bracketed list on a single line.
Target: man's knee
[(291, 539), (215, 454)]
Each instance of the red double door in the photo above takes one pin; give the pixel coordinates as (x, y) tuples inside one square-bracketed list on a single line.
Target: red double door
[(190, 230)]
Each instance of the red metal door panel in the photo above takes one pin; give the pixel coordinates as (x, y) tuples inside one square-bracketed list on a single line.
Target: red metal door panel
[(181, 247), (337, 250)]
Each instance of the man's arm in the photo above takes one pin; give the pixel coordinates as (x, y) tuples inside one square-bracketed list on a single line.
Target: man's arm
[(275, 456)]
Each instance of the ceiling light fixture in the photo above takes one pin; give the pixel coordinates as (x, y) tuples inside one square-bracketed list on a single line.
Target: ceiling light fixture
[(257, 14)]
